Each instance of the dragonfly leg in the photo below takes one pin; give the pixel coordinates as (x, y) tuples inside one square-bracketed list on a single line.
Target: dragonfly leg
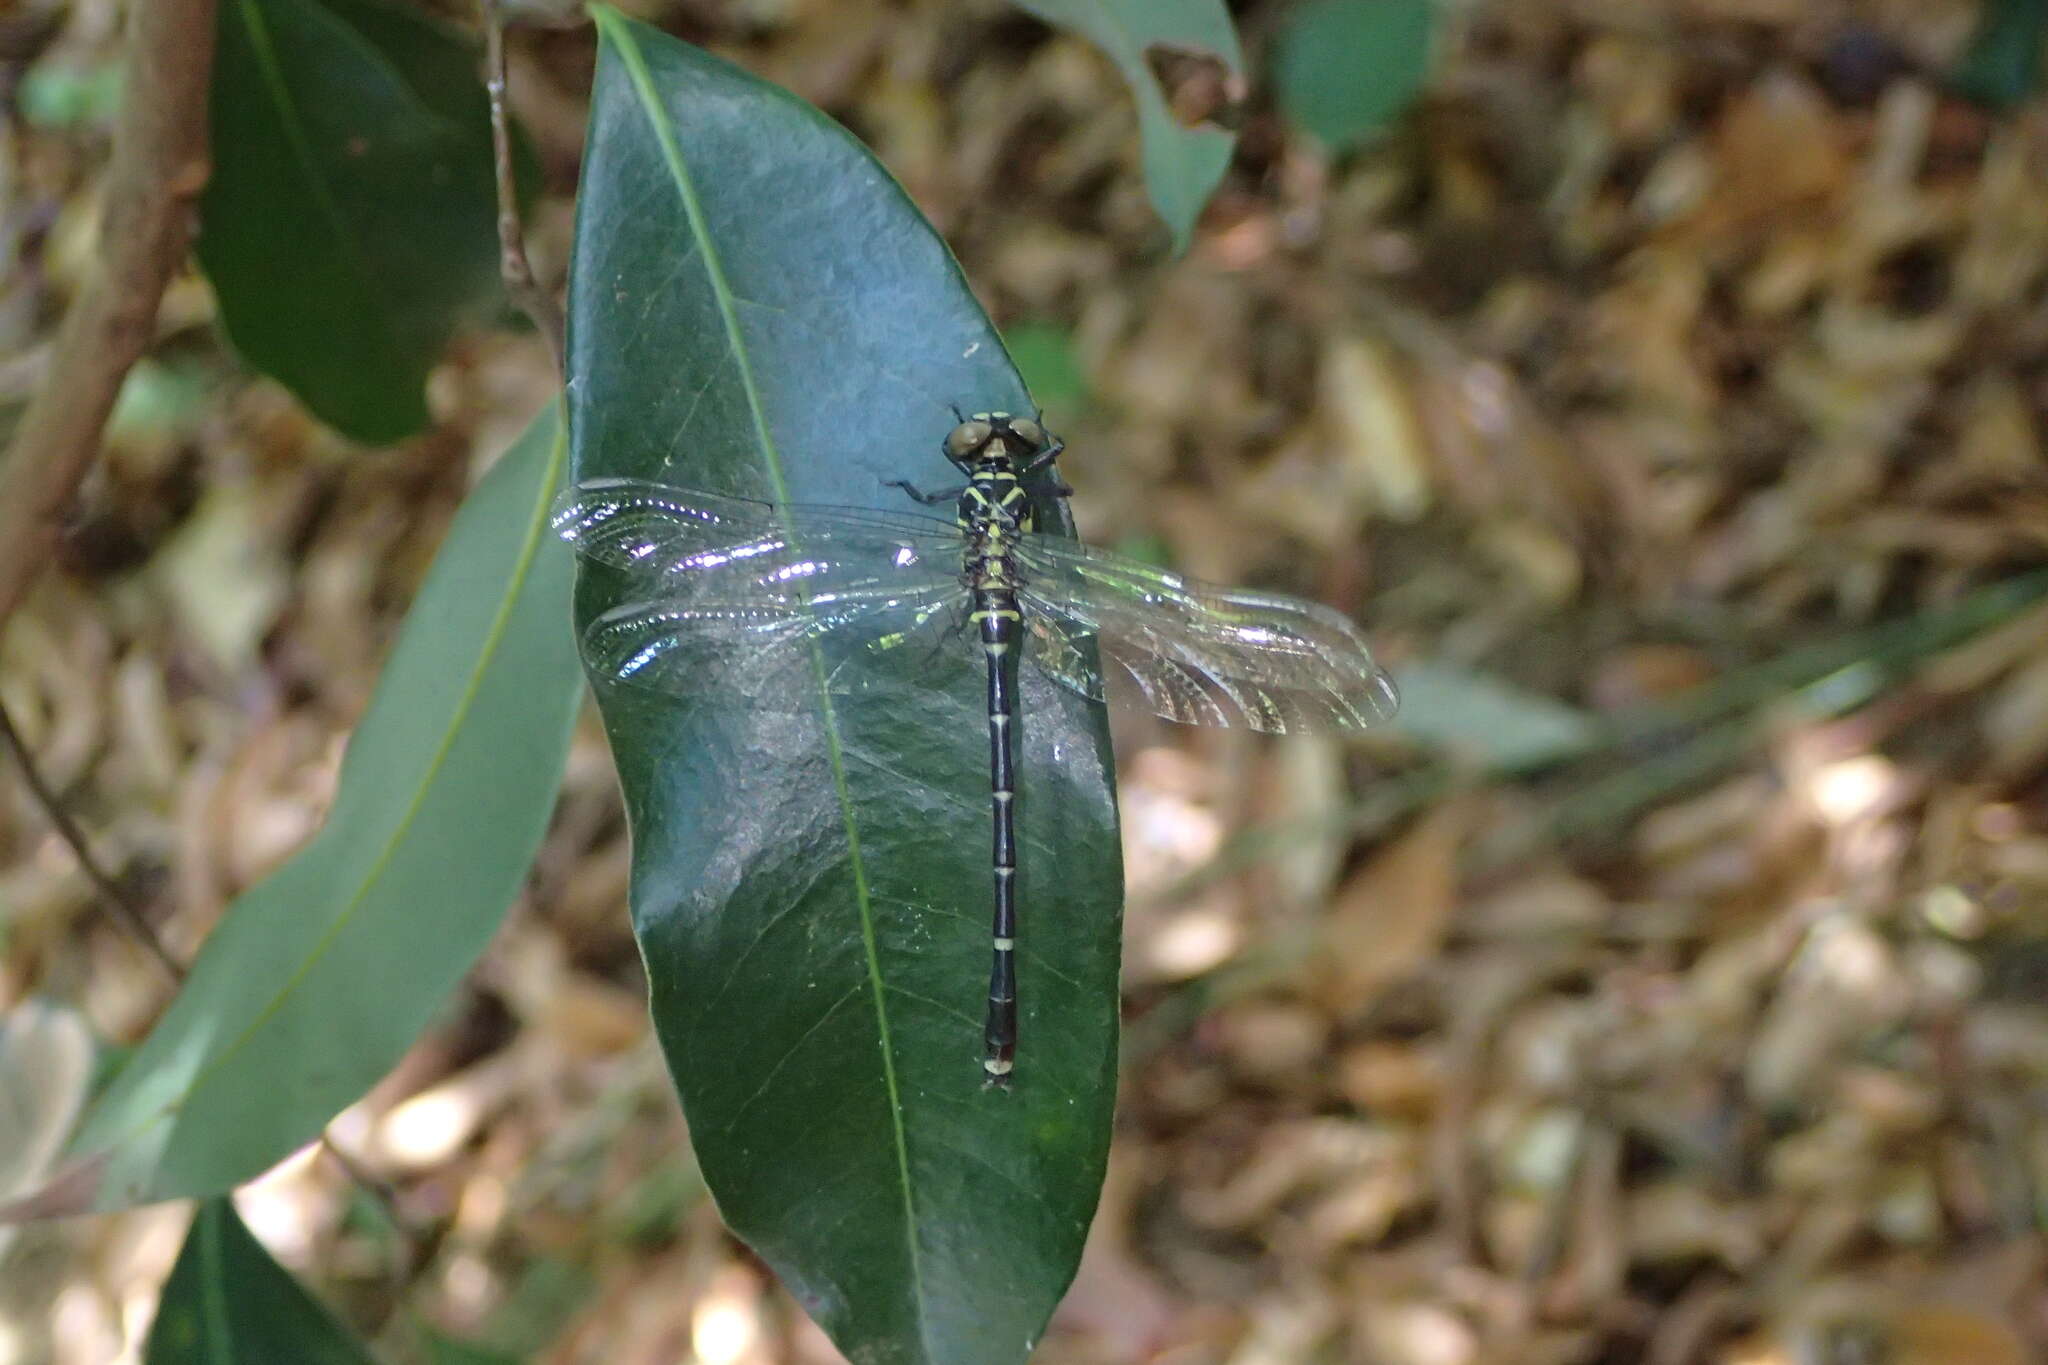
[(928, 499), (1041, 460)]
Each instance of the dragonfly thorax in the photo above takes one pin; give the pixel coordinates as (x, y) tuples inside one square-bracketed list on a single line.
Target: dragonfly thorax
[(995, 450)]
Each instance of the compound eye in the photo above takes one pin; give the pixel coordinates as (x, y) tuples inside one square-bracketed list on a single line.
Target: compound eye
[(1028, 431), (963, 440)]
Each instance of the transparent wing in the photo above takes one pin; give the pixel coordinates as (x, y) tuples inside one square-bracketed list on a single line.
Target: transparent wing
[(681, 542), (731, 593), (764, 654), (1197, 653)]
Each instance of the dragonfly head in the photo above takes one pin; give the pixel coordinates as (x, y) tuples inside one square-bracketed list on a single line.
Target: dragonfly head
[(994, 436)]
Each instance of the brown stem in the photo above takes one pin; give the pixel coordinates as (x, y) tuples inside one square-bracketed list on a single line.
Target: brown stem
[(129, 916), (158, 168), (537, 303)]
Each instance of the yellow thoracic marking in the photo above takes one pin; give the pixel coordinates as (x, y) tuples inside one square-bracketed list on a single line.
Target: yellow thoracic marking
[(1014, 495), (974, 491)]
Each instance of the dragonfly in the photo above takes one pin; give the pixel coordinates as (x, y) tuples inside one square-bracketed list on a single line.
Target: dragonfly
[(706, 580)]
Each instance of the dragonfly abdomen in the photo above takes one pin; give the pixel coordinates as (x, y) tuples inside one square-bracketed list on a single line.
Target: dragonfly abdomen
[(998, 620)]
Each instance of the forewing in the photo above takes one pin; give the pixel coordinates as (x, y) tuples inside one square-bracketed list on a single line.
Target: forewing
[(684, 544), (755, 597), (1196, 653), (773, 657)]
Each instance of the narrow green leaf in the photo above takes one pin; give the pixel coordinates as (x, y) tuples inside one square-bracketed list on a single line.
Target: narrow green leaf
[(756, 308), (350, 220), (1182, 165), (228, 1303), (318, 978), (1487, 719), (1344, 69)]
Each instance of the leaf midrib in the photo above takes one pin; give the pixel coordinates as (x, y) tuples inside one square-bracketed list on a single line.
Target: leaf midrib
[(613, 27)]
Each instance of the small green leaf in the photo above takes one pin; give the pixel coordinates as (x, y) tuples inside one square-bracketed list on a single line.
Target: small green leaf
[(2002, 66), (319, 977), (1485, 719), (1182, 165), (1044, 355), (228, 1303), (1347, 68), (756, 308), (59, 93), (350, 220)]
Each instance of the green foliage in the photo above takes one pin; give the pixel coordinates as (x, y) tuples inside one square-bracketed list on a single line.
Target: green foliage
[(1043, 353), (440, 1350), (57, 93), (350, 221), (1483, 718), (318, 978), (1344, 69), (1182, 165), (757, 309), (228, 1303), (2002, 66)]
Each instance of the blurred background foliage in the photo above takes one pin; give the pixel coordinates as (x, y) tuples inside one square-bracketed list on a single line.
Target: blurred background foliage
[(1661, 381)]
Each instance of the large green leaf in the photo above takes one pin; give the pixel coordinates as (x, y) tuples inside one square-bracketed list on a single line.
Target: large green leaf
[(319, 977), (756, 308), (350, 220), (228, 1303), (1182, 165)]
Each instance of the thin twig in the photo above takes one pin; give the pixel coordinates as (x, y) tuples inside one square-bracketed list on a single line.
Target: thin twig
[(537, 303), (158, 168), (124, 910), (115, 899)]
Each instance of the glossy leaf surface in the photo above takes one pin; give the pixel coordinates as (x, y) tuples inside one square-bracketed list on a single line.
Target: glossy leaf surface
[(1182, 164), (350, 220), (228, 1303), (318, 978), (756, 309)]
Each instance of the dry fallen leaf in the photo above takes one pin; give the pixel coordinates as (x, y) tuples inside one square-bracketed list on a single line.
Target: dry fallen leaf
[(1391, 916)]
